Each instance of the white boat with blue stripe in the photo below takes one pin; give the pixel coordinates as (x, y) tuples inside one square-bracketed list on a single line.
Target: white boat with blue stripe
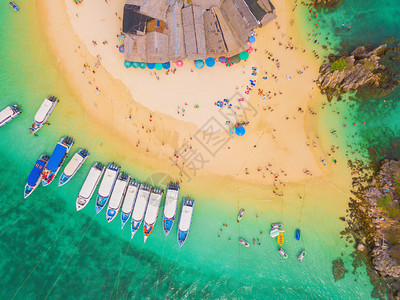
[(36, 175), (129, 201), (106, 186), (73, 166), (171, 203), (43, 113), (8, 114), (117, 196), (152, 212), (185, 221), (140, 208)]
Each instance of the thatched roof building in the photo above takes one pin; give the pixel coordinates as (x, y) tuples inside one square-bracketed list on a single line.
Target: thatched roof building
[(219, 37), (157, 47), (134, 22), (135, 48), (176, 42), (193, 29), (156, 9)]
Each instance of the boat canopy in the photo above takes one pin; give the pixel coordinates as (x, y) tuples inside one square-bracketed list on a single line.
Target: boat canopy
[(129, 199), (56, 157), (6, 114), (43, 110), (140, 205), (90, 183), (108, 182), (186, 218), (117, 194), (73, 164), (152, 208), (36, 172), (171, 201)]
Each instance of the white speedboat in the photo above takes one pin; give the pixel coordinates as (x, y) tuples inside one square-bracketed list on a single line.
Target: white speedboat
[(171, 203), (106, 186), (73, 166), (185, 221), (140, 208), (276, 226), (240, 215), (301, 256), (283, 253), (36, 175), (89, 186), (152, 212), (56, 160), (117, 196), (275, 232), (43, 113), (8, 114), (244, 243), (129, 201)]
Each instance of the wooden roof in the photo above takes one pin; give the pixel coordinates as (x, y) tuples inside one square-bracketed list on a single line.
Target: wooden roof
[(193, 29)]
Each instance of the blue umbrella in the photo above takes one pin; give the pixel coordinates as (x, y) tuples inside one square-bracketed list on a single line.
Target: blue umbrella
[(135, 65), (199, 64), (142, 65), (166, 65), (127, 64), (252, 39), (158, 66), (240, 130), (210, 62), (151, 66)]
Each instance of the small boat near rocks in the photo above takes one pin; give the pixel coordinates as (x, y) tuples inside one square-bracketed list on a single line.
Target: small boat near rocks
[(171, 203), (73, 166), (185, 221), (240, 215), (106, 186), (117, 196), (244, 243), (56, 160), (89, 186), (129, 201), (43, 113), (283, 253), (35, 176), (9, 113)]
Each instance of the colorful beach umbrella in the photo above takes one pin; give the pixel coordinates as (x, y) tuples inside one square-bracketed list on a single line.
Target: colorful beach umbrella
[(250, 50), (78, 1), (121, 38), (199, 64), (210, 62), (159, 66), (135, 64), (127, 64), (142, 65), (121, 48), (252, 39), (179, 63), (222, 59), (151, 66), (240, 131), (244, 55), (235, 59), (166, 65), (228, 62)]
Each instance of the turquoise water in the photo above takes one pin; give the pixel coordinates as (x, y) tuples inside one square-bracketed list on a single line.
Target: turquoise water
[(50, 250)]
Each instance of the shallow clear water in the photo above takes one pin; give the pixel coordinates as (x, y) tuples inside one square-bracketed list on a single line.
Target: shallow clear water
[(49, 249)]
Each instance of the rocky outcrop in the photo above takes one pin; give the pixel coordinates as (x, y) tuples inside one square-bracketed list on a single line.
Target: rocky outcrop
[(328, 3)]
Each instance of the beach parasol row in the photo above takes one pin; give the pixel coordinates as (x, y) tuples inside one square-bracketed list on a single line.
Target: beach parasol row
[(78, 1)]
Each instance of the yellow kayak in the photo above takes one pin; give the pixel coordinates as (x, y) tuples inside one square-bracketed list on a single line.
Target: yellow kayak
[(280, 239)]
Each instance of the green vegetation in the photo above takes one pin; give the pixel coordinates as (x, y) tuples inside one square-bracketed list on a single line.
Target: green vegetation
[(397, 184), (369, 65), (340, 64), (384, 201), (393, 212)]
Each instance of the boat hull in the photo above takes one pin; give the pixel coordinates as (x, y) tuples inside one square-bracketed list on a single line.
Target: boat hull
[(124, 218), (80, 200), (182, 237), (48, 177), (29, 189), (135, 226), (37, 125), (101, 202), (147, 229), (167, 224), (64, 179), (111, 214)]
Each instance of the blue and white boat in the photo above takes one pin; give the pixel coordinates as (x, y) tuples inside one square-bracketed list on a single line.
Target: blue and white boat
[(73, 166), (298, 234), (14, 6), (106, 186), (129, 201), (152, 212), (90, 185), (185, 221), (56, 160), (43, 113), (36, 175), (140, 208), (171, 203), (117, 196), (8, 114)]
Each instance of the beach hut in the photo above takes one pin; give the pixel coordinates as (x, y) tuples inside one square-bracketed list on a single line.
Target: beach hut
[(135, 48), (156, 25), (193, 29), (133, 21), (157, 47), (156, 9), (176, 42)]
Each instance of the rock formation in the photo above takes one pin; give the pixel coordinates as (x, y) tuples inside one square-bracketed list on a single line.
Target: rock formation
[(328, 3), (360, 70)]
